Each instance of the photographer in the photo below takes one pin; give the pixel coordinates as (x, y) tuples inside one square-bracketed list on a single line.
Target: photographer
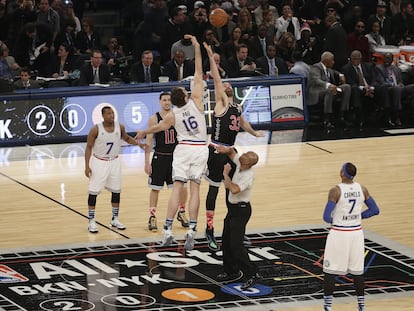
[(114, 56)]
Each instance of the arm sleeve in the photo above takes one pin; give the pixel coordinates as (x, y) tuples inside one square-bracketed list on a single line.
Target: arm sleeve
[(372, 208), (327, 214)]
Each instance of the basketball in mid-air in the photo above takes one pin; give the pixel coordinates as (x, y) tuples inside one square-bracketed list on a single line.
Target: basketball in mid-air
[(218, 17)]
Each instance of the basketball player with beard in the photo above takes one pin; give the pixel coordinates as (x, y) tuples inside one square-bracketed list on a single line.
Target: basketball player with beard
[(227, 121), (159, 168)]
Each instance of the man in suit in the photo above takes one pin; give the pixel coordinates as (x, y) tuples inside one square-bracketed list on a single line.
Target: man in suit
[(25, 82), (178, 68), (258, 44), (388, 80), (326, 84), (145, 71), (270, 64), (359, 75), (336, 41), (241, 65), (95, 71)]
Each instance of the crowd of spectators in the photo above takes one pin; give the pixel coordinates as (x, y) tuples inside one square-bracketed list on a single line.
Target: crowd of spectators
[(52, 39)]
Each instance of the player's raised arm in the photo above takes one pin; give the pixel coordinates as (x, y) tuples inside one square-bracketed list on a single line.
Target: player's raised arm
[(197, 91), (220, 94)]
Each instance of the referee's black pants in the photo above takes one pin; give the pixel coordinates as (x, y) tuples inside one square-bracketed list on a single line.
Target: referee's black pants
[(235, 256)]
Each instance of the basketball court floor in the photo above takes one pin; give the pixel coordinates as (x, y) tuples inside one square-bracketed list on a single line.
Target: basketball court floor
[(49, 261)]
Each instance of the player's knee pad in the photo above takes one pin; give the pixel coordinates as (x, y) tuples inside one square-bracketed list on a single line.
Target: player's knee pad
[(211, 198), (92, 200), (116, 197)]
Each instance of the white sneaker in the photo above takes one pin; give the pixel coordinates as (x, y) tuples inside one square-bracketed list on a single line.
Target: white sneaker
[(168, 237), (117, 224), (189, 239), (92, 226)]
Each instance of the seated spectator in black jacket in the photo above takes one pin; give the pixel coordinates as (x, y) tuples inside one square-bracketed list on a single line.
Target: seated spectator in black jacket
[(178, 68), (94, 71), (359, 75), (270, 64), (145, 71), (241, 65)]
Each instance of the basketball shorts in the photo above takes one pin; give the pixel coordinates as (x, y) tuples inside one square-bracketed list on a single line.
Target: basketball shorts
[(215, 164), (344, 252), (161, 171), (105, 174), (189, 162)]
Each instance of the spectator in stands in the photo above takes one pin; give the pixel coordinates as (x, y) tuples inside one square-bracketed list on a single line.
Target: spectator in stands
[(395, 6), (312, 13), (308, 45), (241, 65), (178, 68), (32, 48), (14, 66), (287, 23), (69, 13), (388, 80), (358, 41), (402, 25), (184, 45), (25, 82), (24, 13), (336, 41), (63, 64), (221, 66), (4, 23), (299, 66), (261, 8), (360, 74), (94, 71), (285, 48), (175, 29), (270, 64), (246, 24), (88, 39), (146, 70), (351, 17), (231, 45), (326, 84), (211, 39), (257, 45), (199, 20), (50, 17), (375, 39), (6, 72), (67, 35), (270, 22), (383, 20), (238, 6), (153, 24)]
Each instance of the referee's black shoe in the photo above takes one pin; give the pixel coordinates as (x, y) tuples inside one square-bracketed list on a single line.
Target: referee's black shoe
[(251, 281), (228, 276)]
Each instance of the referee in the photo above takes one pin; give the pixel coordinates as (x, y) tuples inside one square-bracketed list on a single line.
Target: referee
[(239, 210)]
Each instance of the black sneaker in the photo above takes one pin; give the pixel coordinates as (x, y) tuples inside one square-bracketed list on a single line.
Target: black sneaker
[(211, 240), (228, 276), (251, 281), (152, 223), (183, 219)]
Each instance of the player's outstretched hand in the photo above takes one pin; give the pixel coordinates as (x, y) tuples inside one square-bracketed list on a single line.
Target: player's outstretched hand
[(259, 134), (140, 135)]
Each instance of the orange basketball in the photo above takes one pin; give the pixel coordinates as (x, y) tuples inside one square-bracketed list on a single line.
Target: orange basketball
[(218, 17)]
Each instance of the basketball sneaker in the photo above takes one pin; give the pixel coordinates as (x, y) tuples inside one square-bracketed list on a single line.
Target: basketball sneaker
[(152, 223), (168, 237), (117, 224), (251, 281), (183, 219), (92, 227), (211, 240), (189, 239)]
